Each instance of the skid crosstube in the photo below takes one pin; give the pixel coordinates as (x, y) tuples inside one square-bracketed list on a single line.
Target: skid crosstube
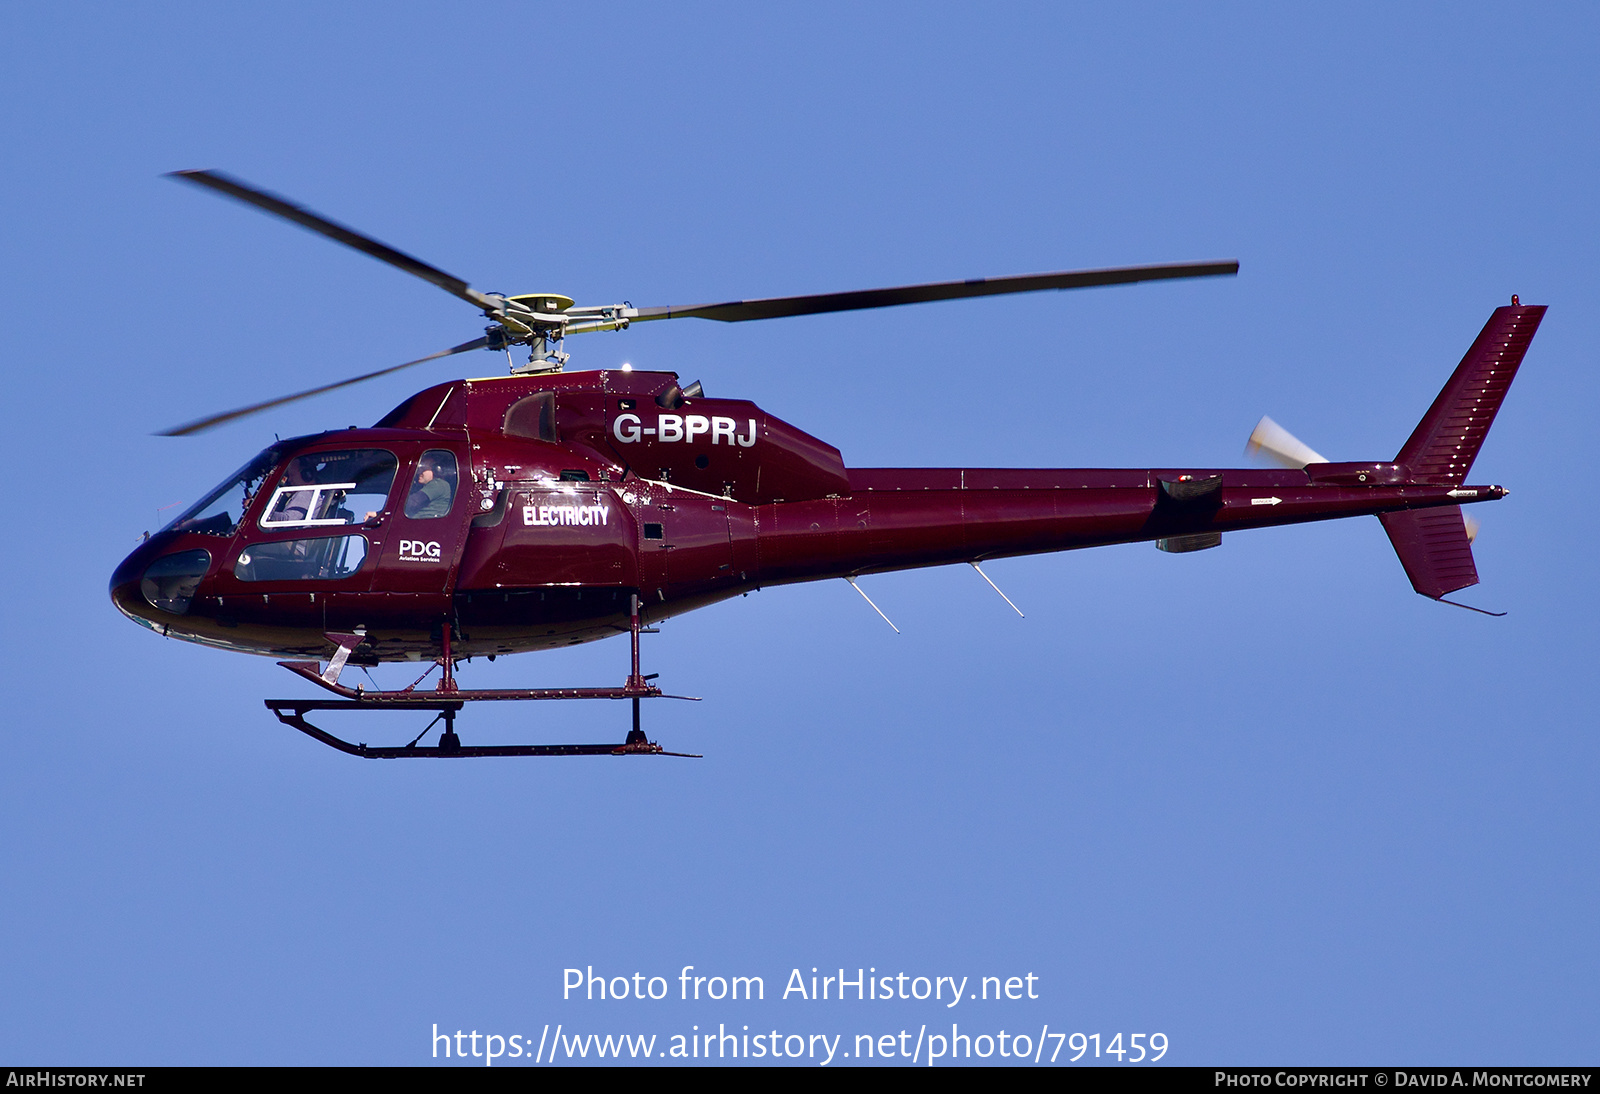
[(311, 671)]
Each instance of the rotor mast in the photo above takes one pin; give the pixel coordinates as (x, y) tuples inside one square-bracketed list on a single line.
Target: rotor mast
[(542, 321)]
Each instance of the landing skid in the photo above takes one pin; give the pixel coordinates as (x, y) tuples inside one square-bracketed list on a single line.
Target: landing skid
[(292, 712), (448, 700)]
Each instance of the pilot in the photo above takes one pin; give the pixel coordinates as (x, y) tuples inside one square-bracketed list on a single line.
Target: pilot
[(430, 494), (294, 507)]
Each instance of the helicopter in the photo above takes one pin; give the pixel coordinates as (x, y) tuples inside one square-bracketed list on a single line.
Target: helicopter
[(546, 508)]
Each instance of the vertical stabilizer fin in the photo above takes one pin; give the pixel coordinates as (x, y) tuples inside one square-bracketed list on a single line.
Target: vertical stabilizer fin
[(1434, 549), (1446, 441)]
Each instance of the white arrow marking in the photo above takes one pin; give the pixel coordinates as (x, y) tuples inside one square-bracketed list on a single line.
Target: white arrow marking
[(1463, 493), (1265, 501)]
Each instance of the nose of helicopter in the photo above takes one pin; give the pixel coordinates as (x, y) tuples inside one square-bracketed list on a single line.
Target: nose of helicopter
[(154, 583), (124, 587)]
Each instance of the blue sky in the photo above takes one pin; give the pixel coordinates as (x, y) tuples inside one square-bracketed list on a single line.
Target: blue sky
[(1264, 799)]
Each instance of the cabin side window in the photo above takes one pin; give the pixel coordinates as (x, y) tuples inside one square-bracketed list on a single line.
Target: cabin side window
[(330, 488), (325, 559), (433, 488)]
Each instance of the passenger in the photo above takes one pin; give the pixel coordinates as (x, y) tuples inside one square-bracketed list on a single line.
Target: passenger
[(430, 494)]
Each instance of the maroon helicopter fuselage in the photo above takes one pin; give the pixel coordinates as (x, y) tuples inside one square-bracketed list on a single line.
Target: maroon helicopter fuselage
[(574, 492)]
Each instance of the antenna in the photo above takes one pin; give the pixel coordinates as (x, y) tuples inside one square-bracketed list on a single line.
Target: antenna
[(996, 588), (875, 608)]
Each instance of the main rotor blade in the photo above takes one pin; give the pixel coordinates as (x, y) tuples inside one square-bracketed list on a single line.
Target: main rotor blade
[(779, 307), (278, 206), (221, 419)]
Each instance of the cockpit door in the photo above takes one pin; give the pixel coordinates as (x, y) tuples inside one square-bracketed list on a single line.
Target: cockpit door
[(425, 524), (303, 545)]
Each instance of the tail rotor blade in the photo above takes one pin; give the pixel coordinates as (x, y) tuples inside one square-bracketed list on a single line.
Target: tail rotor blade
[(215, 420), (1271, 442)]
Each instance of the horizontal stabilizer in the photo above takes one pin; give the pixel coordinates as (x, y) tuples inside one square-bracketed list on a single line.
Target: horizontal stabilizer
[(1434, 549)]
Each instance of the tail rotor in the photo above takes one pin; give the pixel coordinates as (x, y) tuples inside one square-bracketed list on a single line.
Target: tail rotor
[(1271, 443)]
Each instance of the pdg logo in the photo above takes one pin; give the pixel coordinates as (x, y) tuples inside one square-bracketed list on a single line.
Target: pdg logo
[(416, 550)]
